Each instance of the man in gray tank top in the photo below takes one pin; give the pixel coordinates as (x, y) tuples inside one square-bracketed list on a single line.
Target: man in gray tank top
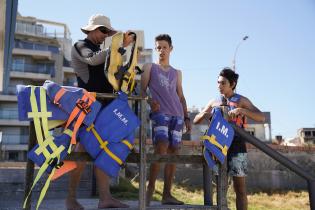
[(168, 114)]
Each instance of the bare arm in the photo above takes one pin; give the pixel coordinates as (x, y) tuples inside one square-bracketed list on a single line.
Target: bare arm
[(180, 93), (145, 79), (205, 113), (248, 109)]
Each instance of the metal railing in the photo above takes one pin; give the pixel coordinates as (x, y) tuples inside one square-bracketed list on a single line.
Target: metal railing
[(9, 139), (34, 68), (35, 46), (281, 159), (8, 114)]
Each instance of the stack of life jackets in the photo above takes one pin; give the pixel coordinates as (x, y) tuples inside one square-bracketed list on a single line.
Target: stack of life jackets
[(217, 139), (74, 109)]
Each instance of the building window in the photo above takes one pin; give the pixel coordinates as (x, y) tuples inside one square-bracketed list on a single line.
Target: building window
[(18, 64), (41, 47), (26, 45), (251, 131), (53, 49), (13, 156), (307, 133), (313, 132)]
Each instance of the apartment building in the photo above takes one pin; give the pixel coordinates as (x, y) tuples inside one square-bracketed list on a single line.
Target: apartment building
[(306, 135), (41, 52)]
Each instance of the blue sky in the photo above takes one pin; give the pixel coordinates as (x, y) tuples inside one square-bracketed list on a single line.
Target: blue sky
[(276, 64)]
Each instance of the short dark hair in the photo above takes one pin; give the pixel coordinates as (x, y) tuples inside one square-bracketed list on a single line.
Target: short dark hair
[(230, 75), (164, 37)]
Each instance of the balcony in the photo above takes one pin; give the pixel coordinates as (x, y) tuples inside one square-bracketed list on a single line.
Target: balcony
[(36, 50), (10, 139), (46, 68), (35, 46), (11, 95), (9, 114), (36, 29), (32, 71), (9, 117), (35, 54)]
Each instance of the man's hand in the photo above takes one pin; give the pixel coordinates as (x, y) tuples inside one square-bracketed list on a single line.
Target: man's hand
[(128, 38), (236, 112), (155, 106), (188, 125)]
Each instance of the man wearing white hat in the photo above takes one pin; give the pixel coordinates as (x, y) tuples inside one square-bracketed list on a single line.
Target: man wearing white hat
[(88, 62)]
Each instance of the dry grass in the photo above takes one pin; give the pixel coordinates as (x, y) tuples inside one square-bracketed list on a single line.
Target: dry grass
[(192, 195), (284, 201)]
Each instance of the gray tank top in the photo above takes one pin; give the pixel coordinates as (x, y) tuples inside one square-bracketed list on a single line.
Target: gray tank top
[(162, 87)]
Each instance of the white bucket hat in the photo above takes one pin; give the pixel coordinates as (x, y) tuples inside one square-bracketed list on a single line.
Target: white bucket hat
[(97, 21)]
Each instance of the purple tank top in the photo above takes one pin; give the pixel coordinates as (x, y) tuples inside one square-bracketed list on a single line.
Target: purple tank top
[(162, 87)]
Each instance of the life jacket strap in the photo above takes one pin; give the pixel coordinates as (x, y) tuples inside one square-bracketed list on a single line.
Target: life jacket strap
[(40, 118), (212, 140), (82, 108), (51, 159), (104, 143)]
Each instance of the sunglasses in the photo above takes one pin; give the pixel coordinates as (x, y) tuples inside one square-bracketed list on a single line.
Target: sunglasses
[(104, 30)]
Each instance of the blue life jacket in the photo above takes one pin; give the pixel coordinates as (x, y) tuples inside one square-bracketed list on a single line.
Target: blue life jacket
[(24, 103), (218, 138), (51, 152), (71, 99), (232, 103), (112, 133), (114, 155)]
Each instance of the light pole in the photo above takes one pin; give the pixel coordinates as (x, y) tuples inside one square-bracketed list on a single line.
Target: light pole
[(236, 49)]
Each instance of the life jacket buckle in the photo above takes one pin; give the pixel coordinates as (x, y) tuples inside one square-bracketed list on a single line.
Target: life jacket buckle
[(53, 162), (83, 106)]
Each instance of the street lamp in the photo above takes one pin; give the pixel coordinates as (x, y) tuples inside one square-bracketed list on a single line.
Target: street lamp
[(234, 62)]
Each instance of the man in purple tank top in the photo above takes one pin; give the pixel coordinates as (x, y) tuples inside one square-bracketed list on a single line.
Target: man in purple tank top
[(168, 114)]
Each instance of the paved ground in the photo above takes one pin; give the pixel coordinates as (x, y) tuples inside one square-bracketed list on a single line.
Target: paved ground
[(89, 204), (58, 204)]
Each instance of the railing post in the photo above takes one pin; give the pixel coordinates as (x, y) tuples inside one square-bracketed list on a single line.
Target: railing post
[(142, 142), (207, 186), (311, 193), (222, 184), (29, 167)]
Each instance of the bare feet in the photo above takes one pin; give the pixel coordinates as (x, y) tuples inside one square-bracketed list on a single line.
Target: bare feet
[(73, 204), (111, 203), (170, 200), (149, 195)]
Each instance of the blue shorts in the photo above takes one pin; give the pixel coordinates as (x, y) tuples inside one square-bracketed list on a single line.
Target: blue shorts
[(167, 129)]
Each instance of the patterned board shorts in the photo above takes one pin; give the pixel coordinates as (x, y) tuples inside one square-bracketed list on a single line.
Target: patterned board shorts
[(167, 129), (237, 165)]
